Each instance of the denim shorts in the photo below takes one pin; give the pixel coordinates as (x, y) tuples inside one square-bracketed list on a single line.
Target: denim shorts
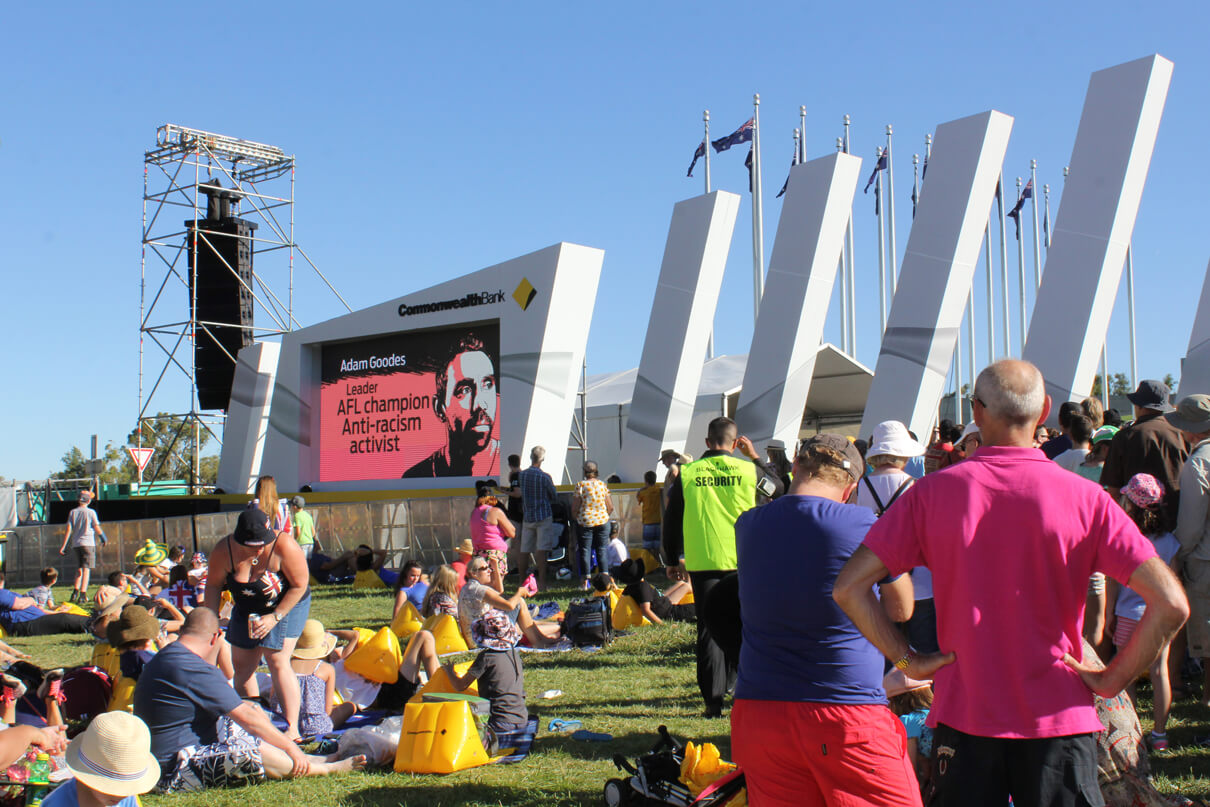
[(289, 628), (651, 537)]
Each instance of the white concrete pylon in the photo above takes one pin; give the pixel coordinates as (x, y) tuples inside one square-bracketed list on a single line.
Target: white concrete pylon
[(1195, 367), (802, 271), (937, 270)]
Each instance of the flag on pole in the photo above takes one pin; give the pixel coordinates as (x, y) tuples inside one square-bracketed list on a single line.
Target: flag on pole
[(878, 199), (881, 166), (786, 184), (741, 135), (697, 155), (1046, 228), (1015, 214), (748, 164)]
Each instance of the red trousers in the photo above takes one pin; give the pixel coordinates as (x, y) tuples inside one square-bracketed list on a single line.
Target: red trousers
[(807, 754)]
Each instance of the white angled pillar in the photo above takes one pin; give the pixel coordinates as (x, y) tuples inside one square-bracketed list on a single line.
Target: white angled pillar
[(248, 417), (802, 270), (1195, 368), (682, 316), (1094, 223), (937, 270)]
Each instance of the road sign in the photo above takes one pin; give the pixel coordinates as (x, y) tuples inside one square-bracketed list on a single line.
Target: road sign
[(141, 456)]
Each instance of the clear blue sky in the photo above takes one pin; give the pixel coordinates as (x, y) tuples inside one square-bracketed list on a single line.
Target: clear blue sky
[(437, 139)]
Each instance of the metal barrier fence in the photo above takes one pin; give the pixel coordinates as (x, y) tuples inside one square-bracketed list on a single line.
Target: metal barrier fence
[(427, 529)]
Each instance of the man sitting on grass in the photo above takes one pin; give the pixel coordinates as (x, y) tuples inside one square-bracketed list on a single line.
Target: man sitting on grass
[(21, 616), (202, 734)]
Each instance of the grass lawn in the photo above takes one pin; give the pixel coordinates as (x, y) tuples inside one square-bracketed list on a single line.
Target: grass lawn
[(641, 681)]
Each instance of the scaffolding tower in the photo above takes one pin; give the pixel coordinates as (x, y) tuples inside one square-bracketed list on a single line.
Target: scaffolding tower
[(180, 175)]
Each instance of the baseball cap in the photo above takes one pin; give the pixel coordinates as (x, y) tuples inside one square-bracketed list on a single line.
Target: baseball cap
[(252, 529), (299, 502), (851, 458)]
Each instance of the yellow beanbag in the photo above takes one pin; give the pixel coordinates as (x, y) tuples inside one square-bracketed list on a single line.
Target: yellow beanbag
[(627, 614), (439, 738), (613, 594), (378, 658), (650, 563), (72, 608), (122, 699), (367, 579), (407, 621), (440, 683), (107, 659), (446, 634), (687, 599)]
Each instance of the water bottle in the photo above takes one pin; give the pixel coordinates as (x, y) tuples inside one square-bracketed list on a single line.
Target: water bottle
[(39, 781)]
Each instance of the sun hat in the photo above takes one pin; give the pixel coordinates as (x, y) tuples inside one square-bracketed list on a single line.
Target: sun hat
[(683, 459), (775, 443), (466, 547), (110, 600), (1192, 414), (252, 528), (495, 631), (1151, 394), (896, 682), (891, 438), (113, 755), (631, 571), (136, 624), (851, 458), (314, 641), (151, 554), (1144, 490), (971, 428), (1103, 434)]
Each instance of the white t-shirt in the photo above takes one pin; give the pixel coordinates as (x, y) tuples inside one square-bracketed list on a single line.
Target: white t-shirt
[(353, 688), (1072, 458), (885, 484), (617, 552)]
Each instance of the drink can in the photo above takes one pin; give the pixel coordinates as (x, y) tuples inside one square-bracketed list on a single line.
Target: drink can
[(253, 622)]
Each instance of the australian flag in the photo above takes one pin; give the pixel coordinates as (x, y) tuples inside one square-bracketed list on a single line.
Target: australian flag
[(741, 135), (1015, 214), (881, 166), (748, 163), (697, 155), (786, 184)]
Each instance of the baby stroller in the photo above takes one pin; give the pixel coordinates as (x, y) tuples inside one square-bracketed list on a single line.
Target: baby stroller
[(562, 523), (654, 779)]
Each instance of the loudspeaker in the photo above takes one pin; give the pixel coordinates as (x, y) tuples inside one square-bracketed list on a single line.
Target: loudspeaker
[(220, 284)]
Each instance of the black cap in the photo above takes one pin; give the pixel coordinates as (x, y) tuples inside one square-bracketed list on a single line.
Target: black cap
[(252, 529), (1152, 394), (852, 462)]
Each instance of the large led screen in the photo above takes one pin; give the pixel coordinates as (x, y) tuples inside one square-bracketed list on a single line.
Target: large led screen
[(418, 404)]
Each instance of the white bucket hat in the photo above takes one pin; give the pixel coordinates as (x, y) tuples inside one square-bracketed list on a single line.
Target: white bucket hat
[(970, 429), (892, 438), (113, 756)]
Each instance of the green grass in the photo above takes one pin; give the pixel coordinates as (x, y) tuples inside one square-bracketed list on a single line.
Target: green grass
[(641, 681)]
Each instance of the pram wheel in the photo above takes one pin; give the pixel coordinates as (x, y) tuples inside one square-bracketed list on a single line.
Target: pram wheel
[(617, 792)]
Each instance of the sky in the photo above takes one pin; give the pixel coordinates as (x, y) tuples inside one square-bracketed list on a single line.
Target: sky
[(434, 140)]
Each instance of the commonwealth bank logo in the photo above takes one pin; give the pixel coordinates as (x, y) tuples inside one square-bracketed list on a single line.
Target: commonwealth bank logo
[(525, 293)]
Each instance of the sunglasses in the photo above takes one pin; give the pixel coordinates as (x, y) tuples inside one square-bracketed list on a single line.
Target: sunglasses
[(478, 569)]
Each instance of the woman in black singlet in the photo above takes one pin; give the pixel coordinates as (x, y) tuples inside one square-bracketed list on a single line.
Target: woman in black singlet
[(266, 573)]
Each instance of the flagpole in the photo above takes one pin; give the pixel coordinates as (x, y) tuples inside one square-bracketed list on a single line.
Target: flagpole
[(1033, 203), (881, 251), (970, 332), (844, 284), (706, 122), (758, 227), (1134, 366), (802, 125), (850, 257), (915, 183), (958, 377), (890, 202), (1021, 318), (1004, 305), (1046, 218), (991, 293)]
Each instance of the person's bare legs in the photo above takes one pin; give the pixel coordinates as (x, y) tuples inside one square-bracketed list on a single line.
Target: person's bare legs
[(222, 658), (278, 765), (678, 592), (85, 576), (1176, 660), (244, 662), (539, 635), (1094, 619), (421, 651), (342, 712), (1162, 691), (285, 684)]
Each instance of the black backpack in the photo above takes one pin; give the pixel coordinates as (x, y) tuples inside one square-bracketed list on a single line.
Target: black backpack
[(587, 622)]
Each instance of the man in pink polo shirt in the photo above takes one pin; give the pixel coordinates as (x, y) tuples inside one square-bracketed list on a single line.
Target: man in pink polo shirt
[(1011, 539)]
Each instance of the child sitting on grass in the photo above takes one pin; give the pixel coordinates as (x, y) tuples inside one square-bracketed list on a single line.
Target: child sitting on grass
[(501, 677), (133, 635), (442, 596), (316, 681), (43, 597), (1143, 500), (911, 700), (657, 607)]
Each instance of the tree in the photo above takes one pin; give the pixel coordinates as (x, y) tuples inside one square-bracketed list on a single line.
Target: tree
[(1098, 384), (172, 438), (1170, 382), (1119, 384)]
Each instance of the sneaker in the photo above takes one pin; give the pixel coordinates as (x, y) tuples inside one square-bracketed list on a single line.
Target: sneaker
[(52, 685), (14, 687), (1158, 742)]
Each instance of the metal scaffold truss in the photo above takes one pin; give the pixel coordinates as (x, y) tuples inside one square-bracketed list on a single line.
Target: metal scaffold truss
[(187, 173)]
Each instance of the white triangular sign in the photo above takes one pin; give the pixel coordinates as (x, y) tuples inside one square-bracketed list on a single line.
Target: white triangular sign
[(141, 456)]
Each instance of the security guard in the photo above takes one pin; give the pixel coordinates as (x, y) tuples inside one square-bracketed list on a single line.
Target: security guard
[(699, 536)]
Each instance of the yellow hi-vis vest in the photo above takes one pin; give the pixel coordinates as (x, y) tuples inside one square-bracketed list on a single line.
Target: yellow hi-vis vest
[(717, 491)]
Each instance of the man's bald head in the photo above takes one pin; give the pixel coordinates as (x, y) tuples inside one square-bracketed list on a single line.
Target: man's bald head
[(201, 623), (1011, 391)]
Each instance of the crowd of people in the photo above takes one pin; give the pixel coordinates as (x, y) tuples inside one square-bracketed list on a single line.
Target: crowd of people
[(957, 621)]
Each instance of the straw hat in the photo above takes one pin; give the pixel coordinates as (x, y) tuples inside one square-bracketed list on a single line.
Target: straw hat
[(152, 554), (136, 624), (891, 438), (466, 547), (113, 756), (314, 641), (109, 600)]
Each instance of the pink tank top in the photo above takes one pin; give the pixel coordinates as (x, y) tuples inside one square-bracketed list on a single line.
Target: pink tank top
[(484, 535)]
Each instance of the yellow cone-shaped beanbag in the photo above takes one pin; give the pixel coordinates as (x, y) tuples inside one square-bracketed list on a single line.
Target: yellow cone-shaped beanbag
[(440, 684), (107, 658), (650, 563), (407, 621), (446, 634), (613, 594), (122, 699), (627, 614), (439, 738), (368, 579), (687, 599), (378, 658)]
